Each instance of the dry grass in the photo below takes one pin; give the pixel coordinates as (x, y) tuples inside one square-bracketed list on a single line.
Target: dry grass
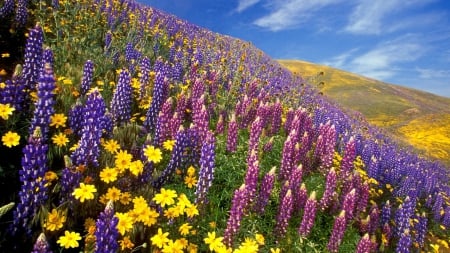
[(418, 118)]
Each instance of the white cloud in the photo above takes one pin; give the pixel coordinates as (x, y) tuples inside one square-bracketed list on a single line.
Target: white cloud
[(433, 73), (377, 16), (289, 14), (383, 61), (244, 4)]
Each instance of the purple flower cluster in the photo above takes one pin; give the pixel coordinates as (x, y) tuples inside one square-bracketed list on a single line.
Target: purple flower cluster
[(207, 166), (33, 192), (86, 80), (41, 245), (106, 234), (122, 98), (265, 190), (236, 214)]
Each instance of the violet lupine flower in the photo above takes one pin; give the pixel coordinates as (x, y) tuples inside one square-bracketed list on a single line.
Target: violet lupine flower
[(325, 145), (144, 79), (201, 121), (363, 198), (287, 156), (309, 215), (21, 13), (421, 229), (44, 106), (207, 166), (70, 179), (404, 243), (277, 111), (106, 233), (122, 98), (33, 192), (162, 130), (289, 118), (386, 213), (349, 205), (283, 215), (264, 191), (108, 40), (364, 244), (348, 158), (268, 145), (41, 245), (329, 193), (76, 118), (403, 215), (88, 73), (47, 57), (176, 160), (438, 206), (88, 151), (220, 126), (236, 214), (337, 234), (374, 219), (364, 224), (255, 133), (300, 197), (33, 58), (160, 88), (251, 176), (7, 8), (14, 91), (232, 136)]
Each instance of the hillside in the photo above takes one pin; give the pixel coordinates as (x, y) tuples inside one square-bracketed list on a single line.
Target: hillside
[(151, 134), (418, 118)]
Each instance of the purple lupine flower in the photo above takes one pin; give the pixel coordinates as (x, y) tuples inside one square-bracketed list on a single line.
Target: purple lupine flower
[(255, 133), (277, 111), (301, 197), (106, 233), (108, 40), (21, 13), (438, 206), (330, 187), (162, 130), (309, 215), (88, 73), (236, 214), (251, 176), (146, 176), (88, 151), (337, 234), (386, 233), (7, 8), (325, 145), (386, 213), (122, 98), (287, 156), (76, 118), (44, 106), (207, 166), (364, 224), (47, 57), (232, 136), (41, 245), (200, 119), (283, 215), (14, 91), (33, 192), (160, 88), (363, 198), (176, 160), (265, 191), (220, 126), (33, 58), (348, 158), (70, 179), (374, 219), (289, 118), (403, 215), (421, 229), (404, 243), (349, 205), (364, 244), (144, 78), (268, 145)]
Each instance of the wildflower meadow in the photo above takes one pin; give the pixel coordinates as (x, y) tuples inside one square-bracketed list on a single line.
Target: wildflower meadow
[(126, 129)]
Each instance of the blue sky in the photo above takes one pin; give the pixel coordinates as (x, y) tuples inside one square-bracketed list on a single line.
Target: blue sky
[(405, 42)]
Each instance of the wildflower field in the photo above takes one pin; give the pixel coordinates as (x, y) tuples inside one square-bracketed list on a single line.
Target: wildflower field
[(126, 129)]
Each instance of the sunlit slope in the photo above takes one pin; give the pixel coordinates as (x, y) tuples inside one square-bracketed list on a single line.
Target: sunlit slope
[(419, 118)]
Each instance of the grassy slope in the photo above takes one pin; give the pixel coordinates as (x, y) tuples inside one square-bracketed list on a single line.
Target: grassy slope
[(418, 118)]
